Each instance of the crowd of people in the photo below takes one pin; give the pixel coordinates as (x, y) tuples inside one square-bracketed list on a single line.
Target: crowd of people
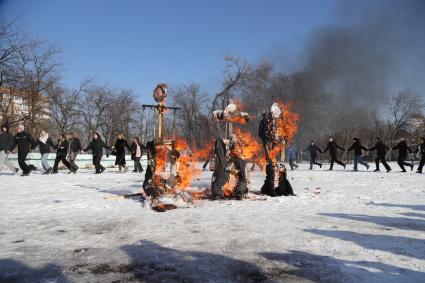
[(381, 152), (67, 148)]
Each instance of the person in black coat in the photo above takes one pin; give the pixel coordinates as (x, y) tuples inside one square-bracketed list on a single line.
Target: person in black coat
[(44, 144), (61, 152), (332, 146), (312, 150), (6, 143), (24, 142), (96, 146), (421, 149), (73, 149), (381, 151), (358, 154), (119, 147), (403, 151)]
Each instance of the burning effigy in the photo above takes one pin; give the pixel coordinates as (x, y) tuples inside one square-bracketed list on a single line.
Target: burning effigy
[(166, 189), (276, 129), (230, 177)]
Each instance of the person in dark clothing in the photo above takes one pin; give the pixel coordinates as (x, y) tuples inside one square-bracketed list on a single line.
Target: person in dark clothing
[(292, 157), (403, 151), (120, 145), (96, 146), (332, 146), (358, 154), (24, 142), (312, 150), (74, 149), (421, 150), (136, 154), (44, 144), (381, 151), (6, 143), (61, 152)]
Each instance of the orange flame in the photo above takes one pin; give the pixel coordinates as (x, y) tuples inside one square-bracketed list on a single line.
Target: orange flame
[(287, 124), (249, 146)]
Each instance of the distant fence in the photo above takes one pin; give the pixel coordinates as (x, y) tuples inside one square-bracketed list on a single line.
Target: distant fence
[(83, 160)]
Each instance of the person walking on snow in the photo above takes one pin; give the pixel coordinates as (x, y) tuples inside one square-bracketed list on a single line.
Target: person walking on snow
[(24, 142), (61, 151), (403, 151), (381, 151), (332, 146), (292, 156), (74, 148), (312, 150), (421, 150), (6, 143), (96, 146), (44, 144), (358, 154), (120, 145), (136, 154)]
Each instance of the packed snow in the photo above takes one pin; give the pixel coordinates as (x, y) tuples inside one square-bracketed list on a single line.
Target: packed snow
[(342, 226)]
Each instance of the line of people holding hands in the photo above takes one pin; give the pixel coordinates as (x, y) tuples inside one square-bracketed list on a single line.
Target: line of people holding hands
[(381, 152), (67, 148)]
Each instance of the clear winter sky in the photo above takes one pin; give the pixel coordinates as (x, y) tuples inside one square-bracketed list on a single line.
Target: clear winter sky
[(136, 44)]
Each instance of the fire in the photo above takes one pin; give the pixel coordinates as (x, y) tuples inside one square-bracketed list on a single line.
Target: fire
[(287, 124), (188, 160), (250, 148), (287, 127), (229, 187)]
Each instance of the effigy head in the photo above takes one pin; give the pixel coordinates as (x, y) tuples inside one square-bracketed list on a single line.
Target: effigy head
[(160, 92), (276, 111)]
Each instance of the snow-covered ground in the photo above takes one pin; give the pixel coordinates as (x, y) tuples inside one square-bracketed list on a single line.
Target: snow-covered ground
[(342, 227)]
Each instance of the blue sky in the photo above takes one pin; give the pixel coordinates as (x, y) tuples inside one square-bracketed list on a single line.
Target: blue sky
[(135, 44)]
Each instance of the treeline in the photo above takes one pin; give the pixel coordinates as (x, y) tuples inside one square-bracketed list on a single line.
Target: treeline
[(34, 67)]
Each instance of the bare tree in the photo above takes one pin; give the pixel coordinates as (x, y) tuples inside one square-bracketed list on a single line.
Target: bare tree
[(403, 107), (190, 119), (40, 68), (93, 106), (63, 104), (236, 73)]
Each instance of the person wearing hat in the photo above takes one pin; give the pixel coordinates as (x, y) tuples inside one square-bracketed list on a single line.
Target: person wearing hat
[(6, 142), (24, 142)]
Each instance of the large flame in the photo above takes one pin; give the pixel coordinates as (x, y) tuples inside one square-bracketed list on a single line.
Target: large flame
[(188, 160), (250, 148), (287, 124)]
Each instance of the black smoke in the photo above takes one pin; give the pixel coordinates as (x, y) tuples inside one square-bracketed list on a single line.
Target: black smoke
[(373, 49)]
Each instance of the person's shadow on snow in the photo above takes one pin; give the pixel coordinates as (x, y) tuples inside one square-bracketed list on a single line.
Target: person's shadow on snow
[(319, 268), (160, 264), (16, 271), (399, 245), (403, 223)]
